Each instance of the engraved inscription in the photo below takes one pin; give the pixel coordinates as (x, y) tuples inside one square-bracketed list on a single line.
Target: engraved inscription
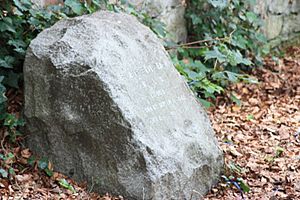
[(160, 103)]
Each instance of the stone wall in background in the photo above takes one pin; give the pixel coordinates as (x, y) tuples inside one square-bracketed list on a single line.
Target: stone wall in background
[(281, 19), (170, 12)]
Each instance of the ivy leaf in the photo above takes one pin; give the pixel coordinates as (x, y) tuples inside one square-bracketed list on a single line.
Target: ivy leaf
[(3, 173), (215, 54), (75, 6), (17, 12), (20, 51), (7, 62), (251, 2), (235, 58), (34, 22), (218, 3), (43, 163), (261, 37), (4, 64), (205, 103), (9, 156), (11, 171), (48, 172), (159, 29), (23, 5), (279, 151), (248, 79), (12, 79), (240, 41), (251, 17), (198, 65), (192, 75), (218, 75), (96, 2), (234, 98), (64, 183), (3, 98), (243, 185), (31, 160), (6, 27), (249, 117), (232, 77), (209, 87), (195, 19)]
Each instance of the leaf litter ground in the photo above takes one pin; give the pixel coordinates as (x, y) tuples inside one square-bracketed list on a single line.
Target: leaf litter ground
[(260, 140)]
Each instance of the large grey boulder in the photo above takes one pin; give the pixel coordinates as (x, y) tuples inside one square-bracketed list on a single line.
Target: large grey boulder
[(104, 103)]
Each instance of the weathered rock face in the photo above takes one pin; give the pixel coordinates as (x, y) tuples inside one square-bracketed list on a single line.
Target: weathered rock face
[(281, 17), (170, 12), (104, 103)]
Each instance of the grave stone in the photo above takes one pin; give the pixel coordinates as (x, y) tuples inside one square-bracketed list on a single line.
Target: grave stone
[(105, 104)]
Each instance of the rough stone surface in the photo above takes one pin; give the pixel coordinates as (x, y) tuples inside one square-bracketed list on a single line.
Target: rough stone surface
[(279, 7), (104, 103), (170, 12), (273, 26), (291, 24), (281, 17), (43, 3)]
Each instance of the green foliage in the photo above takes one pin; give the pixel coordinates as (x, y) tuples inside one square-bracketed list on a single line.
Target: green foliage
[(239, 183), (233, 178), (20, 22), (3, 173), (227, 30), (225, 43), (64, 183), (155, 25), (235, 168), (278, 153), (224, 34), (5, 165), (43, 164), (11, 121), (250, 117), (11, 124)]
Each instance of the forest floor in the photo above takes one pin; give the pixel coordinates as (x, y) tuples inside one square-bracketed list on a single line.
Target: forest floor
[(260, 140)]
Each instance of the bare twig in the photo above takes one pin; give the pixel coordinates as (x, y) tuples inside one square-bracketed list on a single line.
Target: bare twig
[(186, 45)]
